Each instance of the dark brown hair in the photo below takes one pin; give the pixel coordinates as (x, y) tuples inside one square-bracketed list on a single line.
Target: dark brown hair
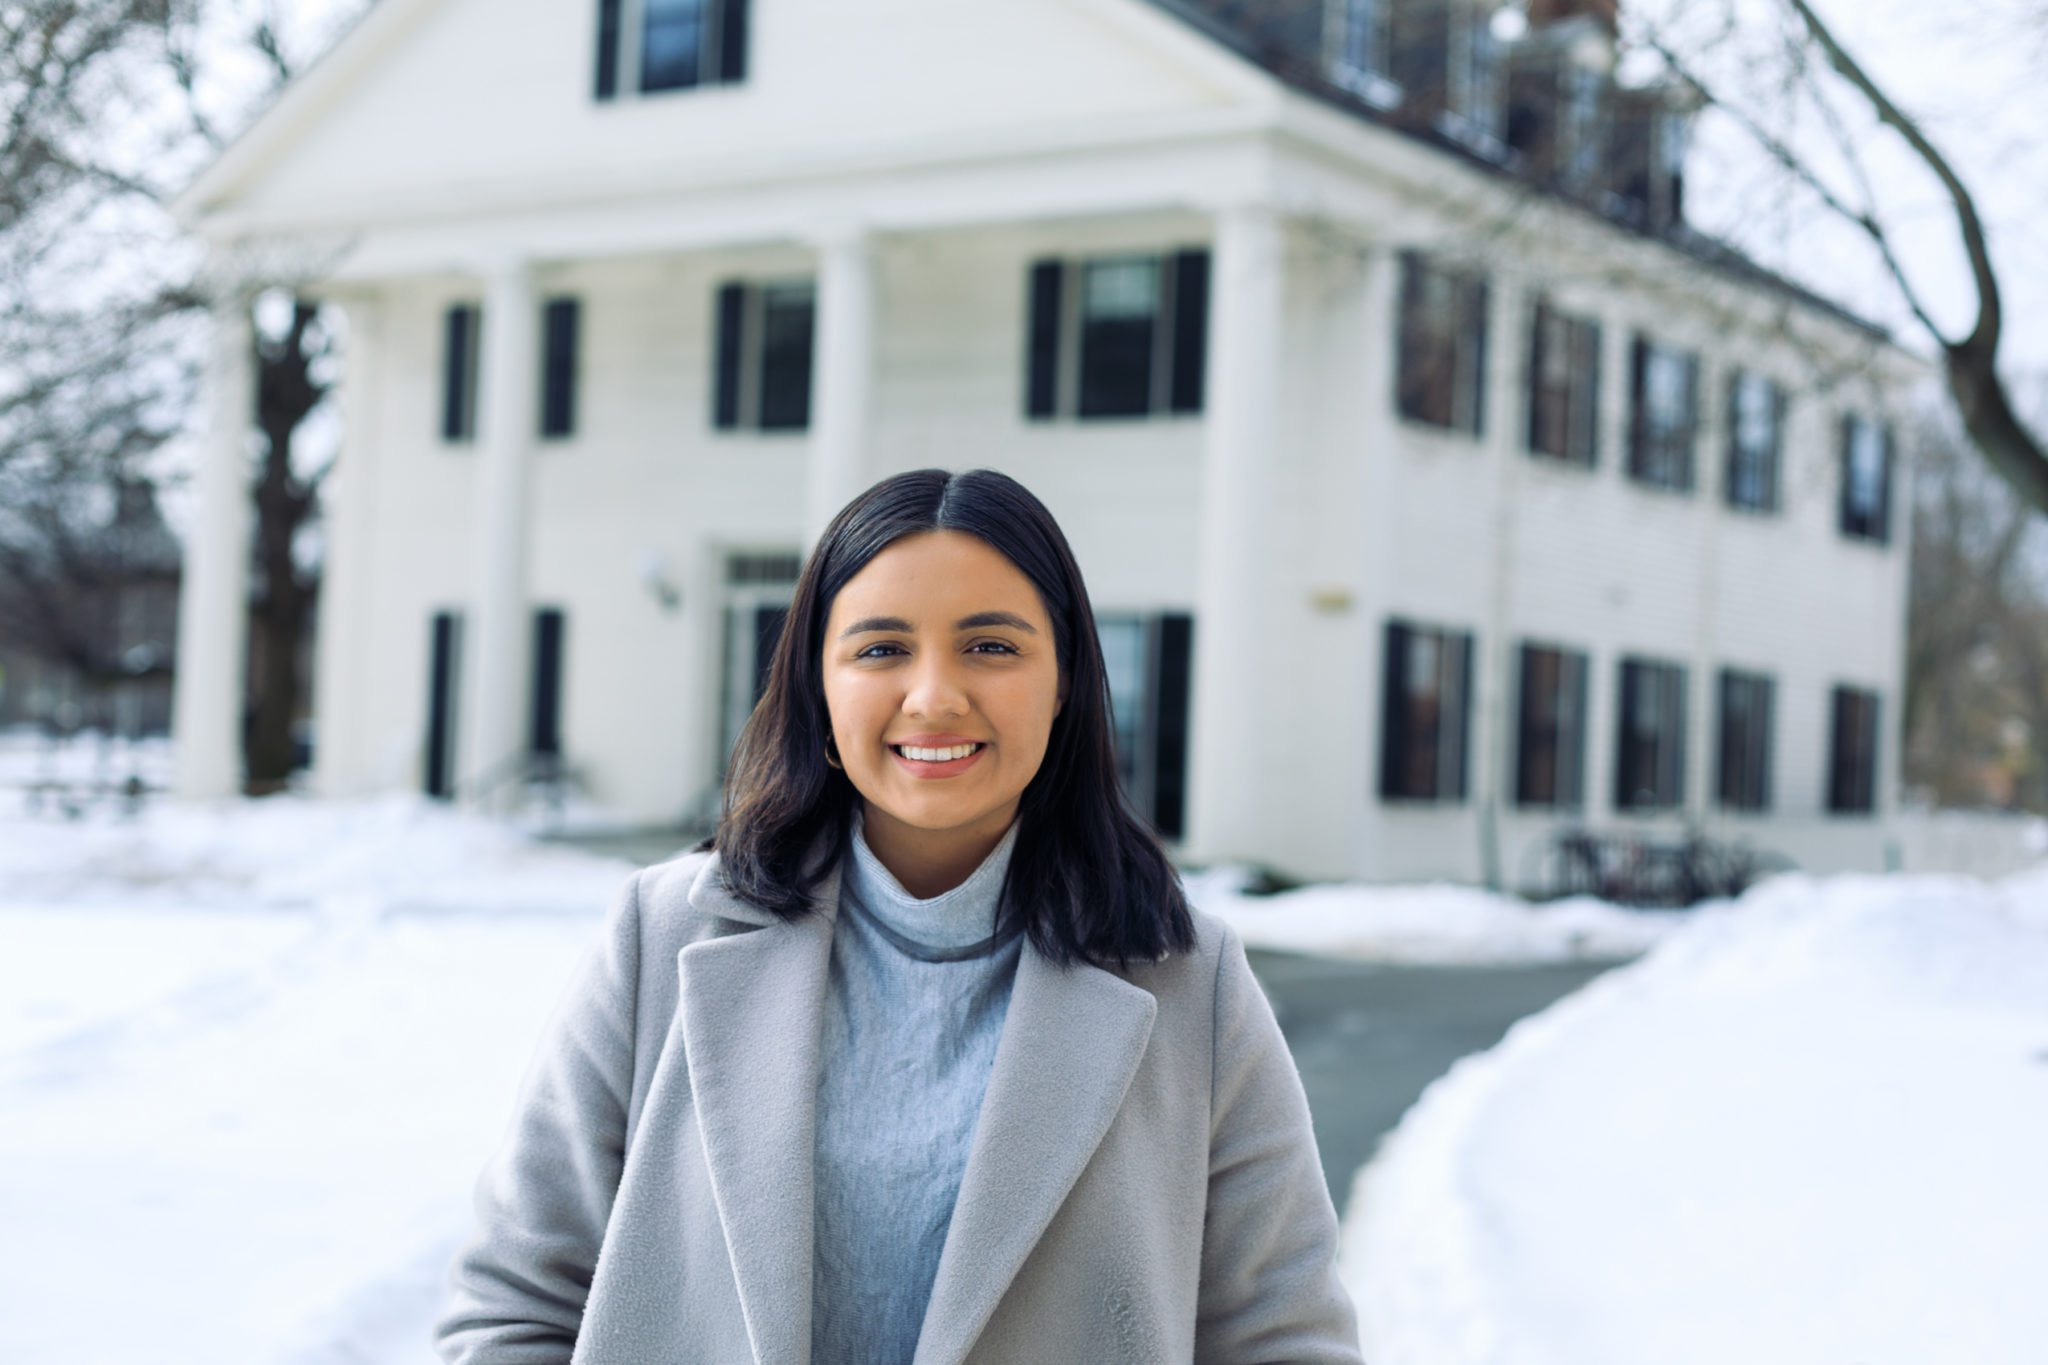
[(1088, 880)]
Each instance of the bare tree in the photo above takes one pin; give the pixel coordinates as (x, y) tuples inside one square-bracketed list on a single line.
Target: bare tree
[(1970, 361), (1976, 708), (102, 315)]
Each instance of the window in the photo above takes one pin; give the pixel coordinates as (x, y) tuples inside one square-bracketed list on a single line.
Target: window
[(1664, 415), (1147, 658), (1550, 749), (1423, 727), (1852, 761), (1756, 433), (561, 320), (1119, 336), (1649, 772), (1446, 62), (458, 373), (757, 591), (1866, 479), (1564, 386), (1359, 59), (669, 44), (1744, 782), (1442, 379), (762, 376)]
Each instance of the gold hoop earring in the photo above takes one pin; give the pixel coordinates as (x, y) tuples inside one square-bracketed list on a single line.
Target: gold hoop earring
[(832, 753)]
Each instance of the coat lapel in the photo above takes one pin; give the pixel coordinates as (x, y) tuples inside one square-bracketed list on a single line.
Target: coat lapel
[(752, 1003), (1071, 1043)]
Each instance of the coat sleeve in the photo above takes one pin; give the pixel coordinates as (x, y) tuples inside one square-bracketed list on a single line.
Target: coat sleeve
[(1270, 1291), (517, 1290)]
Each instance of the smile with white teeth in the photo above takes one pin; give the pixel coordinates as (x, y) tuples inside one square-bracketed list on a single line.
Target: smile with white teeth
[(946, 755)]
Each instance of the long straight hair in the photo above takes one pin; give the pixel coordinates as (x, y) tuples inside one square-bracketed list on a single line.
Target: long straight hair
[(1088, 880)]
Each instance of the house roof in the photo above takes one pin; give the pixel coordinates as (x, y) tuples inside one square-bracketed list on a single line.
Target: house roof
[(1308, 73)]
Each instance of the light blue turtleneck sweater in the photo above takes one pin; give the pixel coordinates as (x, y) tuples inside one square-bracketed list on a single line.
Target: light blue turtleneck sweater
[(916, 1001)]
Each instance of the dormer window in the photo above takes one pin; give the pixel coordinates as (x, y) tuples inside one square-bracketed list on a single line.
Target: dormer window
[(1446, 60), (648, 46), (1358, 57)]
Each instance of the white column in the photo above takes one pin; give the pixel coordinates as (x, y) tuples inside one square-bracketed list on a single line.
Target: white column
[(1232, 717), (845, 378), (495, 667), (342, 646), (213, 597)]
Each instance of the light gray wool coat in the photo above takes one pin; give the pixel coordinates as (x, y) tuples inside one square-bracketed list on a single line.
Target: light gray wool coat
[(1143, 1185)]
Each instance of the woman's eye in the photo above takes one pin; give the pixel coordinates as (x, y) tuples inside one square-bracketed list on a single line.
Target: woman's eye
[(992, 647), (880, 651)]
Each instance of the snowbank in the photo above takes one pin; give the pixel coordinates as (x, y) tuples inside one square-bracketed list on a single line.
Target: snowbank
[(1808, 1127), (1440, 925)]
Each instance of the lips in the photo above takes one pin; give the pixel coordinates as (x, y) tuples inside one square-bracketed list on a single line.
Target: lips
[(937, 755)]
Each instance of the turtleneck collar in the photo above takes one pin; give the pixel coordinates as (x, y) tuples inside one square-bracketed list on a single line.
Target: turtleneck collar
[(963, 918)]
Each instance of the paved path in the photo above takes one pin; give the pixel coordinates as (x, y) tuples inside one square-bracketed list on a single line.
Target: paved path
[(1368, 1039)]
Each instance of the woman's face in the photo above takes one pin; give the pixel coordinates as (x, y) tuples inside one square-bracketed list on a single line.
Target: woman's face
[(942, 681)]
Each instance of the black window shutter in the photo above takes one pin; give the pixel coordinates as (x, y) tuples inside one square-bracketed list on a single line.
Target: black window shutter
[(1190, 329), (1476, 294), (1394, 736), (444, 641), (1042, 379), (1671, 739), (1638, 419), (458, 421), (731, 320), (1175, 668), (1689, 441), (546, 730), (607, 48), (1882, 530), (1571, 740), (1586, 392), (732, 41), (1456, 722), (558, 378)]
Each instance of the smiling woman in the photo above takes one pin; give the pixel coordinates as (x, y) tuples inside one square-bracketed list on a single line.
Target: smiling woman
[(924, 1055)]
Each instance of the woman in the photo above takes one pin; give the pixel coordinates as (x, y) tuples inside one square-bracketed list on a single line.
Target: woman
[(923, 1056)]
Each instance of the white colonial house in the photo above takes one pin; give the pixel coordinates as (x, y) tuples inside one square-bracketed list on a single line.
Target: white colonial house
[(1438, 489)]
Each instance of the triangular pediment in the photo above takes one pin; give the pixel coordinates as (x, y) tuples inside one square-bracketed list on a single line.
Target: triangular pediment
[(441, 106)]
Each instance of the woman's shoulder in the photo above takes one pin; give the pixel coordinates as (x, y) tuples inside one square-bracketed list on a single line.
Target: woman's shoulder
[(677, 902), (1201, 972)]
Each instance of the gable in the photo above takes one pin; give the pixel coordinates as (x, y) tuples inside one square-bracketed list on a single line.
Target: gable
[(447, 104)]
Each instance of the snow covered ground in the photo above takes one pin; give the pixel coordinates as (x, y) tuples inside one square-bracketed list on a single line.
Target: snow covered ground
[(252, 1056), (1810, 1127), (1434, 925)]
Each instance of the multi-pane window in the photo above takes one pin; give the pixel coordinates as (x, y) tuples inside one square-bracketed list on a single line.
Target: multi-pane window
[(1425, 719), (1118, 336), (1564, 385), (1744, 781), (561, 325), (1852, 757), (461, 337), (647, 46), (1866, 478), (1649, 769), (762, 360), (1359, 57), (1147, 659), (1442, 363), (1550, 743), (1446, 61), (1663, 414), (1756, 436)]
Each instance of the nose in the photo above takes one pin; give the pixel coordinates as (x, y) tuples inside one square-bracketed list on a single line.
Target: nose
[(935, 687)]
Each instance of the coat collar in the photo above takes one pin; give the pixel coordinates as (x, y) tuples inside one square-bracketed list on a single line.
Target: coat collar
[(1071, 1043), (753, 1009)]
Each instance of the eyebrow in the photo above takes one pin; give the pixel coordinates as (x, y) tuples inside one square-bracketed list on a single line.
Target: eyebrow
[(900, 626)]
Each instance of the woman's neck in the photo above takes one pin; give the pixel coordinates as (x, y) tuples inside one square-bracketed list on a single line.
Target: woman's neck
[(931, 862)]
